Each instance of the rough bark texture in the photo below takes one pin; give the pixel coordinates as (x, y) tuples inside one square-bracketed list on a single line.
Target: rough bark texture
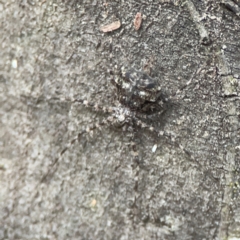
[(54, 49)]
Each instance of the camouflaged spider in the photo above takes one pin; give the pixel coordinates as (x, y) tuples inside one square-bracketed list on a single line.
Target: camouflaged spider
[(138, 96)]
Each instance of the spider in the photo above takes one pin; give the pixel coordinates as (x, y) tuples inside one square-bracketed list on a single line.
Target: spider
[(138, 97)]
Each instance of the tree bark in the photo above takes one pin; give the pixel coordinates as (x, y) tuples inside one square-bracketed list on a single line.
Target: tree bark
[(54, 50)]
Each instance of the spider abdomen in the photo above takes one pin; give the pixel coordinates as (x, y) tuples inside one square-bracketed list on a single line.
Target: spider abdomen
[(139, 91)]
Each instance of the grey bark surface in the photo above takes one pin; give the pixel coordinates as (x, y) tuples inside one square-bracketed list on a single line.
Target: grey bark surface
[(51, 50)]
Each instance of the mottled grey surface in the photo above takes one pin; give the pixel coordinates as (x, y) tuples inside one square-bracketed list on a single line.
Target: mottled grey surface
[(51, 50)]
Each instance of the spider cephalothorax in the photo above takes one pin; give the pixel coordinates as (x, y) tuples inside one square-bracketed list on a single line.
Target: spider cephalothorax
[(122, 114)]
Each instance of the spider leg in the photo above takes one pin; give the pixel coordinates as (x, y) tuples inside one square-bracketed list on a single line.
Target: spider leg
[(95, 106), (135, 165), (166, 134), (87, 130), (134, 151), (146, 116), (135, 169)]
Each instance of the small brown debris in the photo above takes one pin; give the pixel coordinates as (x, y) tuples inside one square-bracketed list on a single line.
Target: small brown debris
[(137, 21), (42, 2), (111, 27)]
